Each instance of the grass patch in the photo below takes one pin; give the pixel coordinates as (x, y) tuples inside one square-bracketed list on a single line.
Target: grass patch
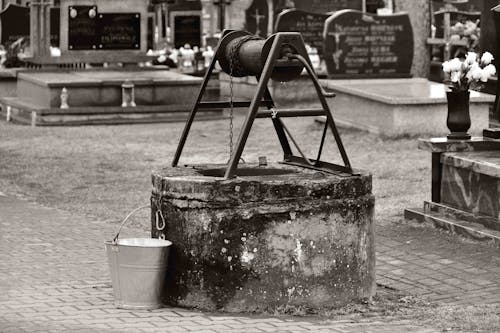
[(104, 171)]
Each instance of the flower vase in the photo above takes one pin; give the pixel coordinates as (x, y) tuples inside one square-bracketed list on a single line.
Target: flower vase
[(458, 120)]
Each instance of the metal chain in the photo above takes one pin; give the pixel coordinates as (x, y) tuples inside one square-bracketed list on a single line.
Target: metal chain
[(231, 111), (235, 69)]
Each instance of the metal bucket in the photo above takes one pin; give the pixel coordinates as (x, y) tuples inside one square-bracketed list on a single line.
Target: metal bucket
[(138, 267)]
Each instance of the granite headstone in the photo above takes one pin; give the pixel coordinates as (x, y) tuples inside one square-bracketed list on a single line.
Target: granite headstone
[(187, 30), (495, 11), (15, 23), (257, 18), (55, 25), (359, 44), (488, 37), (90, 30), (82, 28), (310, 25), (119, 31)]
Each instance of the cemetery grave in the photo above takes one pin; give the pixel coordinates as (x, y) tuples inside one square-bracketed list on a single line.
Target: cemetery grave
[(379, 49), (96, 96), (399, 107), (464, 195), (464, 192), (101, 47), (306, 17), (358, 44)]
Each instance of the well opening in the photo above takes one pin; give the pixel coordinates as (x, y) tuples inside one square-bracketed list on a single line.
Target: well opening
[(246, 172)]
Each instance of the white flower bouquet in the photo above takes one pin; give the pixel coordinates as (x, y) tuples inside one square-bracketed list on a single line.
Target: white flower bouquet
[(462, 74)]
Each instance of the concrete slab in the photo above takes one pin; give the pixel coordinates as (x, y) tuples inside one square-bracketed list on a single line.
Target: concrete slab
[(95, 96), (8, 79), (399, 107), (78, 78), (103, 87)]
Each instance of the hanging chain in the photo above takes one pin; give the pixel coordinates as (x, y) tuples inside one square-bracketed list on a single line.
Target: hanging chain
[(235, 70), (231, 111)]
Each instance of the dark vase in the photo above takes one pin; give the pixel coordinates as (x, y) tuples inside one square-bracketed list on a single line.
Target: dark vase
[(458, 120)]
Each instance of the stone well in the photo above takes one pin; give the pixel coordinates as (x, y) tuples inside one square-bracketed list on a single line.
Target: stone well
[(271, 237)]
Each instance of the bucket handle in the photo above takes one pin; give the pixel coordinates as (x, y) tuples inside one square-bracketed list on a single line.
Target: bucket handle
[(115, 239)]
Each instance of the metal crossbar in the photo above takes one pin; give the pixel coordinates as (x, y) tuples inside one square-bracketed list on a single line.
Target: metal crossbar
[(263, 98)]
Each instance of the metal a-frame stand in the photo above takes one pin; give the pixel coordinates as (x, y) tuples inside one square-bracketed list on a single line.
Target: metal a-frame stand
[(297, 57)]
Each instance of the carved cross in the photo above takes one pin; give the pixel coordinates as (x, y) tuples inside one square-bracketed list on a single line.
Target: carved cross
[(257, 21), (222, 12)]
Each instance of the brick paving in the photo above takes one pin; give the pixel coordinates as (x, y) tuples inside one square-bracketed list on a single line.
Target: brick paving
[(442, 268), (54, 278)]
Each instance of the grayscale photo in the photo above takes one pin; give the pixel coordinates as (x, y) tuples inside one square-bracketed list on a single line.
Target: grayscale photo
[(223, 166)]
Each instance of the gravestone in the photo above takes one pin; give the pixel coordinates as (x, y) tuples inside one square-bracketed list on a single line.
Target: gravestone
[(488, 32), (257, 18), (82, 28), (93, 31), (119, 31), (496, 19), (89, 30), (310, 25), (368, 45), (15, 23), (55, 24), (187, 30)]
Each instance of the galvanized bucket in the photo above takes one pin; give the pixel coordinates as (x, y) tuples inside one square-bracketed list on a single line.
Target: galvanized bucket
[(138, 267)]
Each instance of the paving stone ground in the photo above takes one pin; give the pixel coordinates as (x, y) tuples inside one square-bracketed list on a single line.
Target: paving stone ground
[(54, 278)]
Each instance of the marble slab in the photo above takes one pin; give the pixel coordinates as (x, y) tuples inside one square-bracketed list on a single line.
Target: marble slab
[(400, 107), (480, 162), (442, 144), (400, 91), (464, 228), (471, 182), (96, 77)]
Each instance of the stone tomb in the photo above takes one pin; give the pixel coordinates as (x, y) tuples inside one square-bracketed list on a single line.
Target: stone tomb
[(358, 44), (95, 97), (274, 236), (465, 197), (398, 107)]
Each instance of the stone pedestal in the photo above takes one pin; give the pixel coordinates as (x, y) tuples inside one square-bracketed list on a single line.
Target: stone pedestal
[(272, 237)]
